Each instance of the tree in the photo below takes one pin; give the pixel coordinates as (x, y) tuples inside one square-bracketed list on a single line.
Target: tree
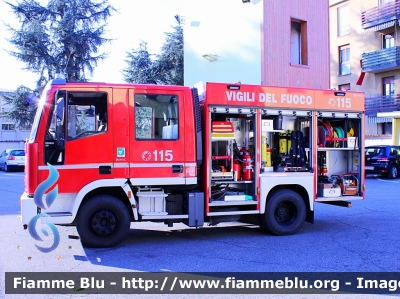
[(23, 106), (62, 38), (169, 63), (165, 68), (140, 66)]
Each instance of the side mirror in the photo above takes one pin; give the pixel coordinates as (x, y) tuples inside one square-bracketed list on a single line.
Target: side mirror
[(60, 109)]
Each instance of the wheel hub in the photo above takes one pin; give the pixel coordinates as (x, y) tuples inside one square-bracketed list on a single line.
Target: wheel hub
[(282, 212), (285, 213), (104, 222)]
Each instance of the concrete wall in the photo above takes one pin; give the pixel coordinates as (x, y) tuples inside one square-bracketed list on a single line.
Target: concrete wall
[(13, 139)]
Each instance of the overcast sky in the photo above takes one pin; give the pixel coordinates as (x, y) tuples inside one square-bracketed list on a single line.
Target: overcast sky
[(136, 20)]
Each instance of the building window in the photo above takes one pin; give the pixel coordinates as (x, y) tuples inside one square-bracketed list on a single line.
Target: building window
[(388, 86), (344, 86), (343, 20), (8, 127), (388, 40), (344, 60), (298, 43), (381, 2)]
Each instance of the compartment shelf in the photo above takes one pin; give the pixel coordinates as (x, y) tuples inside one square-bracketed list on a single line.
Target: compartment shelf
[(338, 148), (339, 198), (233, 213), (216, 182), (220, 203)]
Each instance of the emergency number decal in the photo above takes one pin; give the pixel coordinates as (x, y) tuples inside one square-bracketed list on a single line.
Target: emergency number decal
[(340, 102), (158, 155), (120, 152), (146, 156)]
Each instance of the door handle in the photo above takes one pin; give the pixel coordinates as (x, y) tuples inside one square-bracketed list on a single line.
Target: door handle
[(177, 168)]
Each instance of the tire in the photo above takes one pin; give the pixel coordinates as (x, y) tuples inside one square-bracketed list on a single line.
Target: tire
[(102, 221), (393, 172), (6, 168), (285, 213)]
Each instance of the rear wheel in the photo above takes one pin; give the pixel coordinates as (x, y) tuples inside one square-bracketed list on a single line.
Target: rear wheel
[(103, 221), (393, 172), (285, 213), (6, 168)]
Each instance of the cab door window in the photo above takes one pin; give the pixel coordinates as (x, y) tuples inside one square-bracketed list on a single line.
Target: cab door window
[(87, 114), (74, 115), (156, 116)]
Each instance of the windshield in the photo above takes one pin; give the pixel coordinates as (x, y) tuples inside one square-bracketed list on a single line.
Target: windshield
[(39, 113)]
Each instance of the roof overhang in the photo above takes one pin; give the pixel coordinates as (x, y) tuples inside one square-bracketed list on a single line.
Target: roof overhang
[(394, 114)]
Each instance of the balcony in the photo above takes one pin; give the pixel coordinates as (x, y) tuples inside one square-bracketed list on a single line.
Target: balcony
[(380, 15), (381, 60), (379, 103)]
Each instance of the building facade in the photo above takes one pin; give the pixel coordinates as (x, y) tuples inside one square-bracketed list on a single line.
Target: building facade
[(10, 135), (269, 42), (295, 43), (365, 56)]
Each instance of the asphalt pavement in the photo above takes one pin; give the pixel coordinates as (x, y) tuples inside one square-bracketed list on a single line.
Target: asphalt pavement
[(363, 238)]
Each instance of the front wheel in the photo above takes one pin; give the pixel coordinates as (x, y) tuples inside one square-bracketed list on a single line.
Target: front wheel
[(393, 173), (103, 221), (285, 213)]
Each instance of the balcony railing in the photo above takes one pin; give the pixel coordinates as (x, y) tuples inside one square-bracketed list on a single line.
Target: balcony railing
[(380, 14), (381, 60), (380, 103)]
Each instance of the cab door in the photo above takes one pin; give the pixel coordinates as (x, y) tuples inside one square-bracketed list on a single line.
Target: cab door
[(156, 139), (78, 142)]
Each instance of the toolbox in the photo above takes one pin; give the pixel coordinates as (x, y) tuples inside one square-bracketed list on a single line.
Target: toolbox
[(151, 201), (348, 184), (328, 190)]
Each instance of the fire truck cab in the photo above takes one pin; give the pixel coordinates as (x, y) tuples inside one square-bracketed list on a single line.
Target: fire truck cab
[(231, 152)]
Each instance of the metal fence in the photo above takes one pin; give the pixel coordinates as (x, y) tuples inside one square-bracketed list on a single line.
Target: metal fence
[(381, 103)]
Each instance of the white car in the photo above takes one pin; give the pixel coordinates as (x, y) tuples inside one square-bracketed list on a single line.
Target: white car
[(12, 159)]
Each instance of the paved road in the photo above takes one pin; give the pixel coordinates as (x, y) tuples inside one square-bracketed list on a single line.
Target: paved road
[(364, 238)]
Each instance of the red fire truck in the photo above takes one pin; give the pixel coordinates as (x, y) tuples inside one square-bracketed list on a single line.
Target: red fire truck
[(220, 152)]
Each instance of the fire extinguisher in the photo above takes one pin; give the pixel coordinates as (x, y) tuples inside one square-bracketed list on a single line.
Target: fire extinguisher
[(247, 167), (242, 150), (237, 170)]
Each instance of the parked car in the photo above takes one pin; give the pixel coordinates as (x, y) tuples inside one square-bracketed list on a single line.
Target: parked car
[(12, 159), (383, 159)]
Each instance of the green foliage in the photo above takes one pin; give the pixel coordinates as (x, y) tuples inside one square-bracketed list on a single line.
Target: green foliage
[(61, 38), (82, 124), (23, 104), (169, 63), (166, 68), (143, 124), (140, 66)]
